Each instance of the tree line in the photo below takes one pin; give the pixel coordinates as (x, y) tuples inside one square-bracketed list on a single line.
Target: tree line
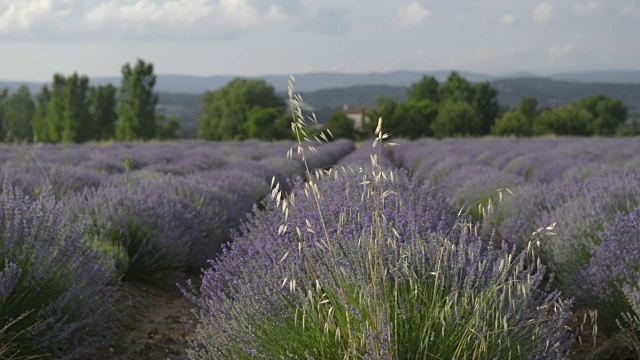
[(72, 111), (251, 109)]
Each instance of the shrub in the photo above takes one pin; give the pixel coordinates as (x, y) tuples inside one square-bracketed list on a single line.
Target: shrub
[(54, 293), (148, 232)]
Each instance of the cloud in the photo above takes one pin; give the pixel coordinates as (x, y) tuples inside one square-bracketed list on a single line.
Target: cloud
[(561, 51), (176, 18), (585, 9), (630, 10), (411, 15), (507, 19), (542, 13), (145, 12), (22, 16)]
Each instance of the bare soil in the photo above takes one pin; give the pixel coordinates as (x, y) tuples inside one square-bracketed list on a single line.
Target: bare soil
[(155, 326)]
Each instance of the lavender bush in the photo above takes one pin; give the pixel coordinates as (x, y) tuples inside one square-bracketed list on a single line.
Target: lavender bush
[(417, 292), (54, 293), (150, 233), (369, 264)]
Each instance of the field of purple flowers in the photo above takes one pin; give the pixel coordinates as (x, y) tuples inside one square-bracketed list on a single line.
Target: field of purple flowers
[(76, 220), (479, 248), (584, 194)]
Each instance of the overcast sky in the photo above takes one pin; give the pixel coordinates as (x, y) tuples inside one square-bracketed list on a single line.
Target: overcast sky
[(257, 37)]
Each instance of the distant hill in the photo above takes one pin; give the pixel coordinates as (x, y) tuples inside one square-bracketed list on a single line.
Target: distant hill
[(555, 93), (605, 77), (329, 80)]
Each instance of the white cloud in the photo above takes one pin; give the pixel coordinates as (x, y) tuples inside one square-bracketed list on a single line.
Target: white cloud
[(542, 13), (585, 9), (178, 14), (21, 16), (145, 12), (412, 14), (481, 54), (507, 19), (275, 14), (630, 10), (561, 51)]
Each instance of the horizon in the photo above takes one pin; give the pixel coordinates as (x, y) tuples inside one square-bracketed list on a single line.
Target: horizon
[(426, 72), (256, 38)]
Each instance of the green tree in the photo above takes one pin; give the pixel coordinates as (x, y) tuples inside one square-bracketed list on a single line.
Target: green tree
[(168, 129), (425, 89), (569, 120), (518, 122), (77, 124), (261, 123), (485, 102), (40, 126), (341, 126), (4, 96), (456, 89), (456, 118), (607, 114), (55, 110), (413, 119), (512, 123), (226, 110), (102, 106), (19, 112), (137, 103), (385, 107)]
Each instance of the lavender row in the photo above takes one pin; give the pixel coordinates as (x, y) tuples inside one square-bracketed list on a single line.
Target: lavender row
[(91, 215), (583, 194), (376, 269)]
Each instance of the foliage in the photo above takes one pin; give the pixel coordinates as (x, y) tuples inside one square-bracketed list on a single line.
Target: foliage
[(456, 118), (77, 125), (267, 124), (55, 111), (136, 103), (226, 111), (341, 126), (18, 111), (519, 122), (413, 119), (168, 129), (425, 89), (102, 100), (39, 122)]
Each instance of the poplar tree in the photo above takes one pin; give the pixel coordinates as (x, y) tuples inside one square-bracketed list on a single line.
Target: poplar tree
[(55, 109), (19, 112), (102, 106), (137, 103), (76, 126), (39, 123)]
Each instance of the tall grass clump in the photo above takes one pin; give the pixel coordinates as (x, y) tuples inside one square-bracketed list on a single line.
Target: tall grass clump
[(55, 300), (365, 263)]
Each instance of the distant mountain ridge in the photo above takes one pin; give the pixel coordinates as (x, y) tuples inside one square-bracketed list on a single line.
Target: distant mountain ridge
[(330, 80)]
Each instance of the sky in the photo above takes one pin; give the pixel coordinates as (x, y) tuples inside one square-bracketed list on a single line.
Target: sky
[(268, 37)]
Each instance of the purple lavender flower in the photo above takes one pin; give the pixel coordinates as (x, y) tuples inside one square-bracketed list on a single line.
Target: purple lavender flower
[(52, 278)]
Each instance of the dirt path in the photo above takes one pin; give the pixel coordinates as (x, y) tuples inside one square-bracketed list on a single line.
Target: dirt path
[(156, 327)]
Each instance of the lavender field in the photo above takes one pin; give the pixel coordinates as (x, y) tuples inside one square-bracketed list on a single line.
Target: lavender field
[(466, 249)]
